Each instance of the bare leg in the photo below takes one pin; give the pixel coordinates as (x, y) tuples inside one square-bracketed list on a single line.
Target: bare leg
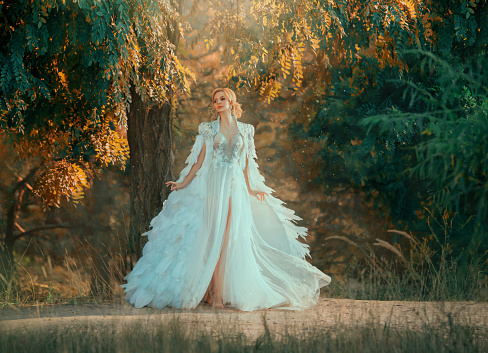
[(207, 298), (217, 278)]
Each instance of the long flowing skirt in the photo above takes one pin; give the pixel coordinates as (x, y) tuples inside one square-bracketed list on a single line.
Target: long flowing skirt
[(187, 240)]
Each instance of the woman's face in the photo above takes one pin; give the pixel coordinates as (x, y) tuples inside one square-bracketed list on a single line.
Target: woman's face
[(220, 102)]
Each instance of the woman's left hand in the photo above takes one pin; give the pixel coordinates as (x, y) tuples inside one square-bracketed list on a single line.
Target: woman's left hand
[(258, 194), (175, 186)]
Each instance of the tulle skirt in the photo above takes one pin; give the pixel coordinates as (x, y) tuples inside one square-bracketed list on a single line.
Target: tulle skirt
[(186, 240)]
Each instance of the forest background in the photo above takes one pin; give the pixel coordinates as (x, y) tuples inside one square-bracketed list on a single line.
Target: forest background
[(371, 120)]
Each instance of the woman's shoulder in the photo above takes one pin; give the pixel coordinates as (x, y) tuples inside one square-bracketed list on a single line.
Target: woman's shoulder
[(249, 128), (205, 127)]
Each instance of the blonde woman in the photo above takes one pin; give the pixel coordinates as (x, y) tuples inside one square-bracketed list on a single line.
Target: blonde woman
[(221, 236)]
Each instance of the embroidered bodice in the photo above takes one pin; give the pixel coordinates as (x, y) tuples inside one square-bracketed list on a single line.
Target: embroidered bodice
[(234, 151), (225, 151)]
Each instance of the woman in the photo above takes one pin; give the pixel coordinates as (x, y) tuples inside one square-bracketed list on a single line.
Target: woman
[(221, 236)]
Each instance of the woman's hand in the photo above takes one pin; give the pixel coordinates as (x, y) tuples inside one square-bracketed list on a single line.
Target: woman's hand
[(175, 186), (258, 194)]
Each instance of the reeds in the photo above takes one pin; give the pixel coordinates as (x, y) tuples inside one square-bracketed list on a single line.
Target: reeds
[(419, 273), (76, 279), (421, 269)]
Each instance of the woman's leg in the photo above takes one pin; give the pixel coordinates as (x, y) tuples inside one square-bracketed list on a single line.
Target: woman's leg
[(218, 276)]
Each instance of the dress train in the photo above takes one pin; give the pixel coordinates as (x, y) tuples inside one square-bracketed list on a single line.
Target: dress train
[(263, 263)]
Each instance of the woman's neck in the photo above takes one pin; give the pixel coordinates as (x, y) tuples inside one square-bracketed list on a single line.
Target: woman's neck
[(226, 119)]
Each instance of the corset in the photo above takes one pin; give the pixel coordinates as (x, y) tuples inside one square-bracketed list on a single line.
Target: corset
[(225, 152)]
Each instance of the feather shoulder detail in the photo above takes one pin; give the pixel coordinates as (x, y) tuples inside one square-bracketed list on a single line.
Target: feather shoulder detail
[(205, 129)]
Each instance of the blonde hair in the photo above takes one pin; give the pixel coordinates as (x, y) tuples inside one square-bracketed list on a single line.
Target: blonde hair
[(235, 109)]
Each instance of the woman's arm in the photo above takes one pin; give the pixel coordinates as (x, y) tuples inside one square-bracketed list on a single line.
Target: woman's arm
[(246, 175), (258, 194), (193, 171)]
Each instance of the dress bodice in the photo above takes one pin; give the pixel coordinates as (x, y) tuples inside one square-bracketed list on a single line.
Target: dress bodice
[(221, 152), (225, 151)]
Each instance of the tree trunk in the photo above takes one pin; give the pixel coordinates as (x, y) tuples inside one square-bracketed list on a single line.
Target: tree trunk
[(151, 165), (7, 268), (12, 201), (151, 159)]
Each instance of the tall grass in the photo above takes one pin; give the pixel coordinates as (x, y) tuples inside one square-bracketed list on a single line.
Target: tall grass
[(422, 269), (76, 280), (426, 271), (175, 337)]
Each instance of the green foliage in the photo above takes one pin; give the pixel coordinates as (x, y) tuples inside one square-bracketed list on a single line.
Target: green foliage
[(99, 48), (68, 70), (452, 157), (412, 133), (349, 156), (417, 146), (278, 48), (458, 27), (53, 295)]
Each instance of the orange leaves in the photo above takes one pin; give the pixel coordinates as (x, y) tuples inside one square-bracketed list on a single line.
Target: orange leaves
[(427, 23), (208, 43), (267, 12), (285, 62), (327, 21), (358, 81), (111, 147), (270, 89), (62, 78), (292, 39), (411, 7), (40, 143), (430, 18), (304, 38), (62, 179)]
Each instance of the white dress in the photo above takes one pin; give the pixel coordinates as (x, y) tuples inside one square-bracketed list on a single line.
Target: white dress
[(263, 264)]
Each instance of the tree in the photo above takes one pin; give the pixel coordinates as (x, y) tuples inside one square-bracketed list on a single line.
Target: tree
[(71, 72), (404, 135), (348, 61)]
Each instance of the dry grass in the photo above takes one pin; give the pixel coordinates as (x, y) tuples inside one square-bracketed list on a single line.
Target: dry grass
[(419, 273)]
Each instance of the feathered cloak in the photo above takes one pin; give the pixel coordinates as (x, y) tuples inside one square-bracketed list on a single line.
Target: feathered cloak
[(175, 270)]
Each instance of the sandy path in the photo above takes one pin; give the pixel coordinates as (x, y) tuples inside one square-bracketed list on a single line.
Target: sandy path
[(327, 314)]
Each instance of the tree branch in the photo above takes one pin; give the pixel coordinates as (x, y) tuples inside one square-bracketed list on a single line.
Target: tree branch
[(26, 179), (59, 225), (33, 230)]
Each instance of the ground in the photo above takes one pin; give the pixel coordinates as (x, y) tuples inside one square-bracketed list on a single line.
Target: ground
[(327, 314)]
